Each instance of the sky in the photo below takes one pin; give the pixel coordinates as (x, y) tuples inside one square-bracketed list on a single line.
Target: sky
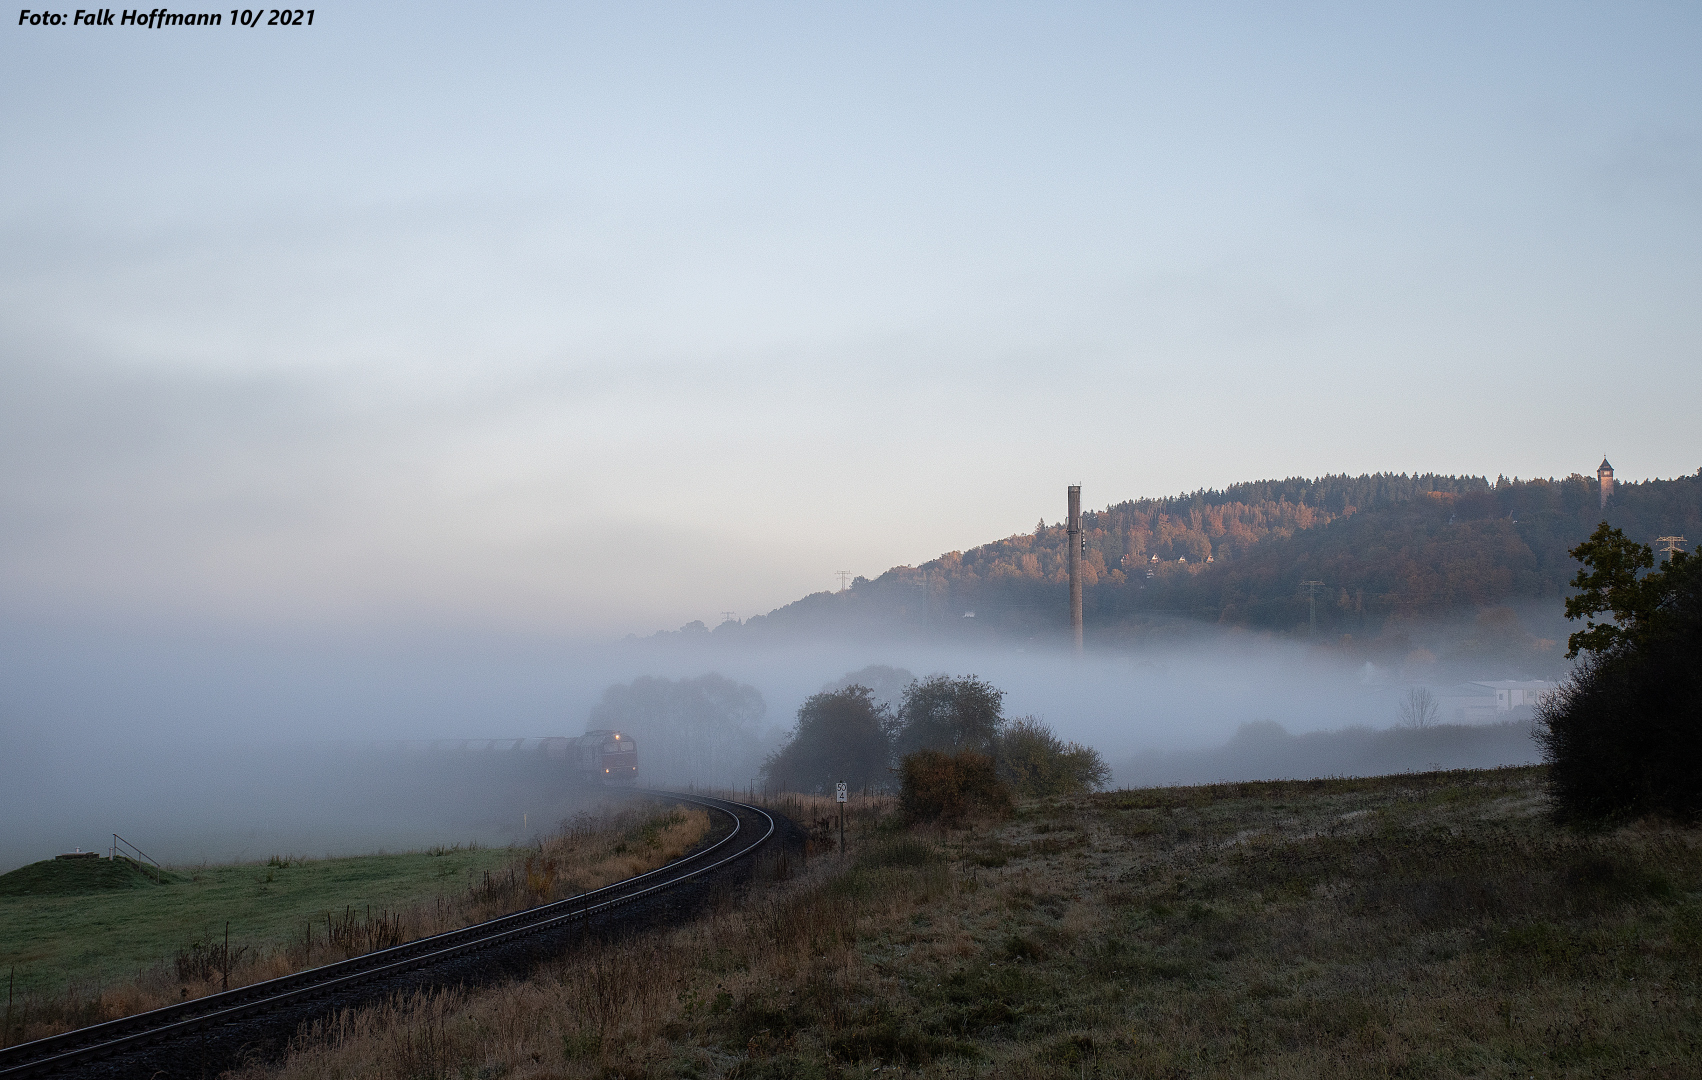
[(594, 320)]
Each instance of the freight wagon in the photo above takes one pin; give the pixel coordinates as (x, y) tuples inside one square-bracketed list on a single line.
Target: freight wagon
[(599, 757)]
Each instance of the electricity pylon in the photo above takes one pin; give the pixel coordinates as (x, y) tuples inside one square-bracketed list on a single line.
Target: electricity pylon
[(1312, 595)]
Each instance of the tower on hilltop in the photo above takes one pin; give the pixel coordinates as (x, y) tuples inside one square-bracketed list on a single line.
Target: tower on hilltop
[(1605, 476)]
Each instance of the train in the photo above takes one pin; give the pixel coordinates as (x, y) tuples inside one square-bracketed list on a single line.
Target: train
[(612, 752), (604, 756)]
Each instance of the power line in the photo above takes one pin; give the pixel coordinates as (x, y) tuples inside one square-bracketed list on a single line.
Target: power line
[(844, 577)]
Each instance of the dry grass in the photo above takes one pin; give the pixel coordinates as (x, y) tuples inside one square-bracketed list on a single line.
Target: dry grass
[(1420, 926), (591, 850)]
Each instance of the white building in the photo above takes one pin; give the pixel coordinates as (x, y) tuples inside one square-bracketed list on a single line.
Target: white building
[(1512, 694), (1490, 701)]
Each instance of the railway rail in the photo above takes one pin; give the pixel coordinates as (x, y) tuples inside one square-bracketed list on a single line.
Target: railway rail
[(202, 1017)]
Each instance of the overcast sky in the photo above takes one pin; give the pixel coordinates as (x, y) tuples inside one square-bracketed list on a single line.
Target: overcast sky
[(598, 320)]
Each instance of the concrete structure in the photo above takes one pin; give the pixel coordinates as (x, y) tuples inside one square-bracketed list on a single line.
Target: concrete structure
[(1077, 542), (1604, 474)]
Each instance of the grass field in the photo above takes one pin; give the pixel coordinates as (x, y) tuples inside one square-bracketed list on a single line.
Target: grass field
[(1429, 925), (113, 933), (88, 940)]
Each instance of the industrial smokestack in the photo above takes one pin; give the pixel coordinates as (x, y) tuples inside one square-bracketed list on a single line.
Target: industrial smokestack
[(1076, 543)]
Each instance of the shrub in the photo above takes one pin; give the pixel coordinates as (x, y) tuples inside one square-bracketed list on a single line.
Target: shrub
[(941, 787), (1034, 762), (1623, 736)]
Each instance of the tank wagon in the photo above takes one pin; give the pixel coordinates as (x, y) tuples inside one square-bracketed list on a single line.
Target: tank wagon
[(596, 757)]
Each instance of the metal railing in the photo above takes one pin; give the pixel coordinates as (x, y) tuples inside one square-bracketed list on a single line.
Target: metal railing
[(137, 859)]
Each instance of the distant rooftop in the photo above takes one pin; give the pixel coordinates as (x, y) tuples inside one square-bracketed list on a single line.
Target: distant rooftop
[(1604, 465)]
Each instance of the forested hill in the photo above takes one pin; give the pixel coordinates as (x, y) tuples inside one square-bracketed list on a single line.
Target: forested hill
[(1382, 546)]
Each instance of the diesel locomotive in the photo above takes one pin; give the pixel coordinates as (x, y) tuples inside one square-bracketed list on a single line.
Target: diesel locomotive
[(606, 757)]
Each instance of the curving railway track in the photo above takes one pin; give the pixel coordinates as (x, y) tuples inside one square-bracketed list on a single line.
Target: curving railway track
[(196, 1036)]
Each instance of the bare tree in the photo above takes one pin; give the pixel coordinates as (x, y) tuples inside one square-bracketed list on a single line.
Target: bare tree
[(1419, 708)]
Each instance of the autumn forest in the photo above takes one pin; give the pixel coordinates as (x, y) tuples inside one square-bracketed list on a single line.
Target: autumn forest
[(1335, 557)]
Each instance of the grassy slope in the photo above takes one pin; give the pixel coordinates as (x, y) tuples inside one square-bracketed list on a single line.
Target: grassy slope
[(113, 933), (1422, 925), (70, 877), (105, 947)]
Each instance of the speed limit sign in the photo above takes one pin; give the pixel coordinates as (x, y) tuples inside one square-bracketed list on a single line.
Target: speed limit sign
[(839, 791)]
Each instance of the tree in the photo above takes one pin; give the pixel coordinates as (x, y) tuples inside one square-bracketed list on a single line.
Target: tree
[(950, 715), (1035, 762), (1623, 735), (886, 683), (701, 730), (1418, 708), (841, 735), (1609, 582)]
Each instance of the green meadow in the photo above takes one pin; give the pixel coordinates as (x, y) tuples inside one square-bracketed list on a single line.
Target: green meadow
[(67, 924)]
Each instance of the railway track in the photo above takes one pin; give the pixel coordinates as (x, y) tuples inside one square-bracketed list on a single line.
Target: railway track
[(205, 1019)]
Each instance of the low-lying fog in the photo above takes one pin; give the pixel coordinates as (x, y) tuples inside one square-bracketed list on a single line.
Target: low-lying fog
[(200, 748)]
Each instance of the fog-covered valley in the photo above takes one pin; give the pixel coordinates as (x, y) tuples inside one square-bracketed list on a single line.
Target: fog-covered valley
[(246, 745)]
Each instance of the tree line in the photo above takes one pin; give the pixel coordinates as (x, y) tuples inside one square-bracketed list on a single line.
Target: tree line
[(1383, 545)]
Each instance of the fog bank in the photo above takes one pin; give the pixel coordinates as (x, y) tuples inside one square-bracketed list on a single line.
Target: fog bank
[(211, 745), (1264, 750)]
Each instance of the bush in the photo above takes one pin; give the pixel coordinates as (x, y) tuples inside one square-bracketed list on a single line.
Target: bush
[(1623, 735), (1034, 762), (941, 787)]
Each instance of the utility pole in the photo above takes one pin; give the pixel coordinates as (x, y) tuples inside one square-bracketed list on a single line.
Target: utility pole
[(1312, 595), (1669, 544), (1078, 543), (844, 579)]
